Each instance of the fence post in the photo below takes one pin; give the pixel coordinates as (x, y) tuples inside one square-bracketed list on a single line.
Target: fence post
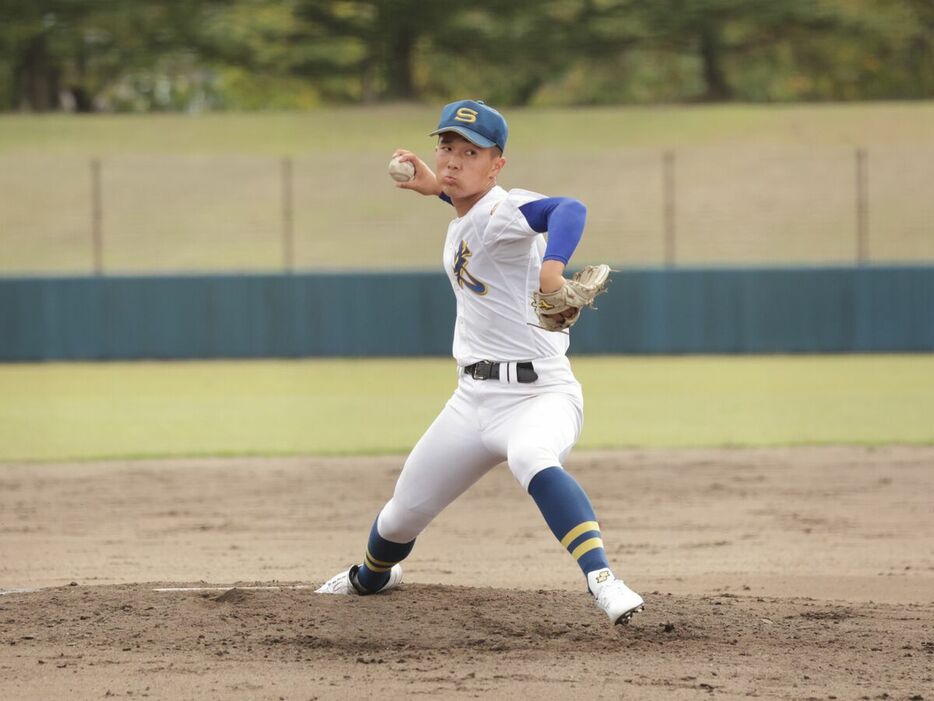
[(97, 239), (862, 207), (288, 233), (668, 201)]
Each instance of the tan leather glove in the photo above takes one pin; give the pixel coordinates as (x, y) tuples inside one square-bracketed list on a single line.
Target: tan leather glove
[(577, 293)]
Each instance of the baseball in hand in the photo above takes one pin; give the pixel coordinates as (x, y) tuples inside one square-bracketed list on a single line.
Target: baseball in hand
[(401, 171)]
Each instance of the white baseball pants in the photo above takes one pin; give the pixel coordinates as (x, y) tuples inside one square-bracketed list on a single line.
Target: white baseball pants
[(530, 426)]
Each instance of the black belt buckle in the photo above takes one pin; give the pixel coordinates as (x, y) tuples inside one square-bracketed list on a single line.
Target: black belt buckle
[(525, 373), (482, 370)]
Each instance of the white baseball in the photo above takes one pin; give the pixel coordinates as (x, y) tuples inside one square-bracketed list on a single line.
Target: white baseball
[(401, 171)]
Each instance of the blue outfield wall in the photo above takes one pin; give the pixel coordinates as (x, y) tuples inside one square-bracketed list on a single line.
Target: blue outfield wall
[(749, 310)]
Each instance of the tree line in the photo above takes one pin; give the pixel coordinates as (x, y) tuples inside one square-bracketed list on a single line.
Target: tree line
[(148, 55)]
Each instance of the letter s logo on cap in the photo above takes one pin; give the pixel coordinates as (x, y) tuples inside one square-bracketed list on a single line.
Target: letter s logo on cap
[(465, 114)]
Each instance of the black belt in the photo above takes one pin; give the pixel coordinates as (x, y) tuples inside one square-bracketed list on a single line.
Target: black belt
[(488, 370)]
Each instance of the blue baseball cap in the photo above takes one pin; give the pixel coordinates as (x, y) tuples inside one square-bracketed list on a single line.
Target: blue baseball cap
[(476, 121)]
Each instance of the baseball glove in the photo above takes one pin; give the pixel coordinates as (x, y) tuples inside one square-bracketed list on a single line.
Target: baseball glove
[(577, 293)]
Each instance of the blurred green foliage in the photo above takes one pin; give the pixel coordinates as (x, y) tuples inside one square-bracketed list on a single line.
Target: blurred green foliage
[(196, 55)]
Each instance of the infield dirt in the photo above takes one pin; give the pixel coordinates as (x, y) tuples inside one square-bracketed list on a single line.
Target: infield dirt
[(776, 573)]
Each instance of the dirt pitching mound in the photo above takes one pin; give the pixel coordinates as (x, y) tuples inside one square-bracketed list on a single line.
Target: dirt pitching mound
[(776, 572), (131, 641)]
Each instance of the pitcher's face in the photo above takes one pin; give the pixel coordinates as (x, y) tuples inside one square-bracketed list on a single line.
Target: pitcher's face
[(464, 169)]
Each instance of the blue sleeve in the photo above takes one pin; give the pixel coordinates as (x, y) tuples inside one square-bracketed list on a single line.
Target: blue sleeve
[(563, 218), (445, 198)]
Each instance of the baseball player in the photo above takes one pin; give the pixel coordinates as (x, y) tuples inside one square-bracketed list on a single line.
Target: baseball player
[(517, 399)]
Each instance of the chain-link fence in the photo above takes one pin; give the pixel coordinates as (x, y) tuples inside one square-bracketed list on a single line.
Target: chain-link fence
[(698, 206)]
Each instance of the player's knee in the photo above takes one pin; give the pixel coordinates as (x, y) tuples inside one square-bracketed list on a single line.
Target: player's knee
[(400, 524), (526, 460)]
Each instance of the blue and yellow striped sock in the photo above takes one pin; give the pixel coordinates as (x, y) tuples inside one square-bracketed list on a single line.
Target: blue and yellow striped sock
[(381, 555), (570, 516)]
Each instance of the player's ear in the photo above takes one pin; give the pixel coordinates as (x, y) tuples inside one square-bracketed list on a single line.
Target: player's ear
[(498, 164)]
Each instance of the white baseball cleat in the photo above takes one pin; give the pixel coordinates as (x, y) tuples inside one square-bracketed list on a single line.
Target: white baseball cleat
[(613, 596), (346, 582)]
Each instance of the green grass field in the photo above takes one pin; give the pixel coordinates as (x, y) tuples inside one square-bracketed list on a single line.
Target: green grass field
[(380, 129), (754, 185), (113, 410)]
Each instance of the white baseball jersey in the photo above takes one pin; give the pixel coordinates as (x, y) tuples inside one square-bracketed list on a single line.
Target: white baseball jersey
[(493, 259)]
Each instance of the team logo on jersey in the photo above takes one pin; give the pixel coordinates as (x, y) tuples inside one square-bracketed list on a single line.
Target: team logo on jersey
[(464, 278), (465, 114)]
